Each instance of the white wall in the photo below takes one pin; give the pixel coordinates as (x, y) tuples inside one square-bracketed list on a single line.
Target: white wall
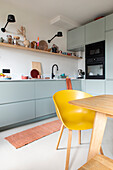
[(81, 63), (20, 61)]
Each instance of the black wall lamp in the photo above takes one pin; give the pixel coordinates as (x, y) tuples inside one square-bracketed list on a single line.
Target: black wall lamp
[(59, 34), (11, 18)]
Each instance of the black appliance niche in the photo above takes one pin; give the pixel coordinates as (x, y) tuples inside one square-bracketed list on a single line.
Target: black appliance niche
[(95, 60)]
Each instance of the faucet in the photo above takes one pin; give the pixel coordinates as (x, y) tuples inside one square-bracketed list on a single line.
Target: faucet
[(53, 75)]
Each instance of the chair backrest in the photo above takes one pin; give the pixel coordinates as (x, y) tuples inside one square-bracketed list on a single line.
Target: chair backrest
[(63, 108), (68, 84)]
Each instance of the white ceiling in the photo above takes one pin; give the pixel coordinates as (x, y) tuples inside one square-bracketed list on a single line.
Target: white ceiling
[(79, 11)]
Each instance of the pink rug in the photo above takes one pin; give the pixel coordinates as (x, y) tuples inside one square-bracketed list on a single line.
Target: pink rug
[(27, 136)]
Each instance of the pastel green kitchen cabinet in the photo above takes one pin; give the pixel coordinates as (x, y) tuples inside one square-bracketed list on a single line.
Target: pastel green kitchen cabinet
[(76, 84), (95, 87), (109, 87), (109, 22), (83, 85), (95, 31), (44, 107), (75, 38), (48, 87), (16, 91), (16, 112), (109, 55), (29, 100)]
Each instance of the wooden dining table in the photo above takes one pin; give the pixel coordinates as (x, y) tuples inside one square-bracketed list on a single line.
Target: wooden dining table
[(103, 107)]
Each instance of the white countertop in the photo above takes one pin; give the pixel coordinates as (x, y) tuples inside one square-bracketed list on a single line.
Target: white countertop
[(17, 80)]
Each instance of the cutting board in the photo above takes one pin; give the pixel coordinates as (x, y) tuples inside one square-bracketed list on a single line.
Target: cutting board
[(37, 66)]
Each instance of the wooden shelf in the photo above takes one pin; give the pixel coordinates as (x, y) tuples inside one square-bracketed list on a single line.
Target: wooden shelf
[(36, 50)]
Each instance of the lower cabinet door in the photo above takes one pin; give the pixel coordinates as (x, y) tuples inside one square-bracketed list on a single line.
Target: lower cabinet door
[(83, 85), (47, 88), (16, 112), (76, 84), (16, 91), (95, 87), (109, 87), (44, 107)]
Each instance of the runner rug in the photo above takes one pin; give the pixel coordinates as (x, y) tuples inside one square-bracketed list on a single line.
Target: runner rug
[(27, 136)]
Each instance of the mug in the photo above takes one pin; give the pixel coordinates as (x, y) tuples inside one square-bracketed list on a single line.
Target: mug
[(38, 76)]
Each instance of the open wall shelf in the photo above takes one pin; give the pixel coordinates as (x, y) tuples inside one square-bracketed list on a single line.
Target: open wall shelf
[(36, 50)]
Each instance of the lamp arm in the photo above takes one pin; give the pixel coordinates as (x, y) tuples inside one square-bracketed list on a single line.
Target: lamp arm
[(3, 29), (6, 24), (51, 39)]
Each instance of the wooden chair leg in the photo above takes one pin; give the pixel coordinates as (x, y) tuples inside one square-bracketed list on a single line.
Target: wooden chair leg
[(68, 149), (61, 131), (79, 137), (101, 151)]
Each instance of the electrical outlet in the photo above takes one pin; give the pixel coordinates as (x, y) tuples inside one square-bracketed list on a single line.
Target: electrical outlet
[(5, 70)]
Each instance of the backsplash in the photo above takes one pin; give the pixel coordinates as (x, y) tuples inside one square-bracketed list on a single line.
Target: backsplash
[(20, 63)]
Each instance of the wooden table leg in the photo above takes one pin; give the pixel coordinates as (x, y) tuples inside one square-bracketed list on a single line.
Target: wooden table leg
[(97, 134)]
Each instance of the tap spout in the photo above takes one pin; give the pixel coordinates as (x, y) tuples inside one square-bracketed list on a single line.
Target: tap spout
[(53, 75)]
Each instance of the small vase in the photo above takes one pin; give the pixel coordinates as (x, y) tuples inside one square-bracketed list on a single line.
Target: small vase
[(26, 42)]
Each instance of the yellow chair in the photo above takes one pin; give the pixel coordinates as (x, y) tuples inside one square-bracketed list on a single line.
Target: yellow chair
[(72, 117)]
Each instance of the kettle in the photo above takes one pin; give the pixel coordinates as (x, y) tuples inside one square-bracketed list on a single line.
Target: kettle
[(80, 73)]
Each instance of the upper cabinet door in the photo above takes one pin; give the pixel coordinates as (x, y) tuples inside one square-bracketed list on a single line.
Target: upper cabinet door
[(109, 22), (95, 31), (75, 38)]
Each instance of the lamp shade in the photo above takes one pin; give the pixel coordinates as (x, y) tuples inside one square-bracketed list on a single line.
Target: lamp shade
[(11, 18), (59, 34)]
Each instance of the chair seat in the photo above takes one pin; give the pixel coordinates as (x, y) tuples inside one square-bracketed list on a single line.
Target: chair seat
[(99, 162)]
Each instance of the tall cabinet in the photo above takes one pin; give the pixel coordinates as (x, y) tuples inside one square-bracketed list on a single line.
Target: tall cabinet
[(109, 47), (92, 32), (109, 22), (109, 55)]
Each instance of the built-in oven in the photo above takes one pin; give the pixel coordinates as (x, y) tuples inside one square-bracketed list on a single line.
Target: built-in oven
[(95, 60)]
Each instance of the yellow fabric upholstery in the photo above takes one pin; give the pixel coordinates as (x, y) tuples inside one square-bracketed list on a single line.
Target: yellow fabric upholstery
[(73, 117)]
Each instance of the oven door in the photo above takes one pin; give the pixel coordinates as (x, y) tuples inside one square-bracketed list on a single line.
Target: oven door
[(95, 71)]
